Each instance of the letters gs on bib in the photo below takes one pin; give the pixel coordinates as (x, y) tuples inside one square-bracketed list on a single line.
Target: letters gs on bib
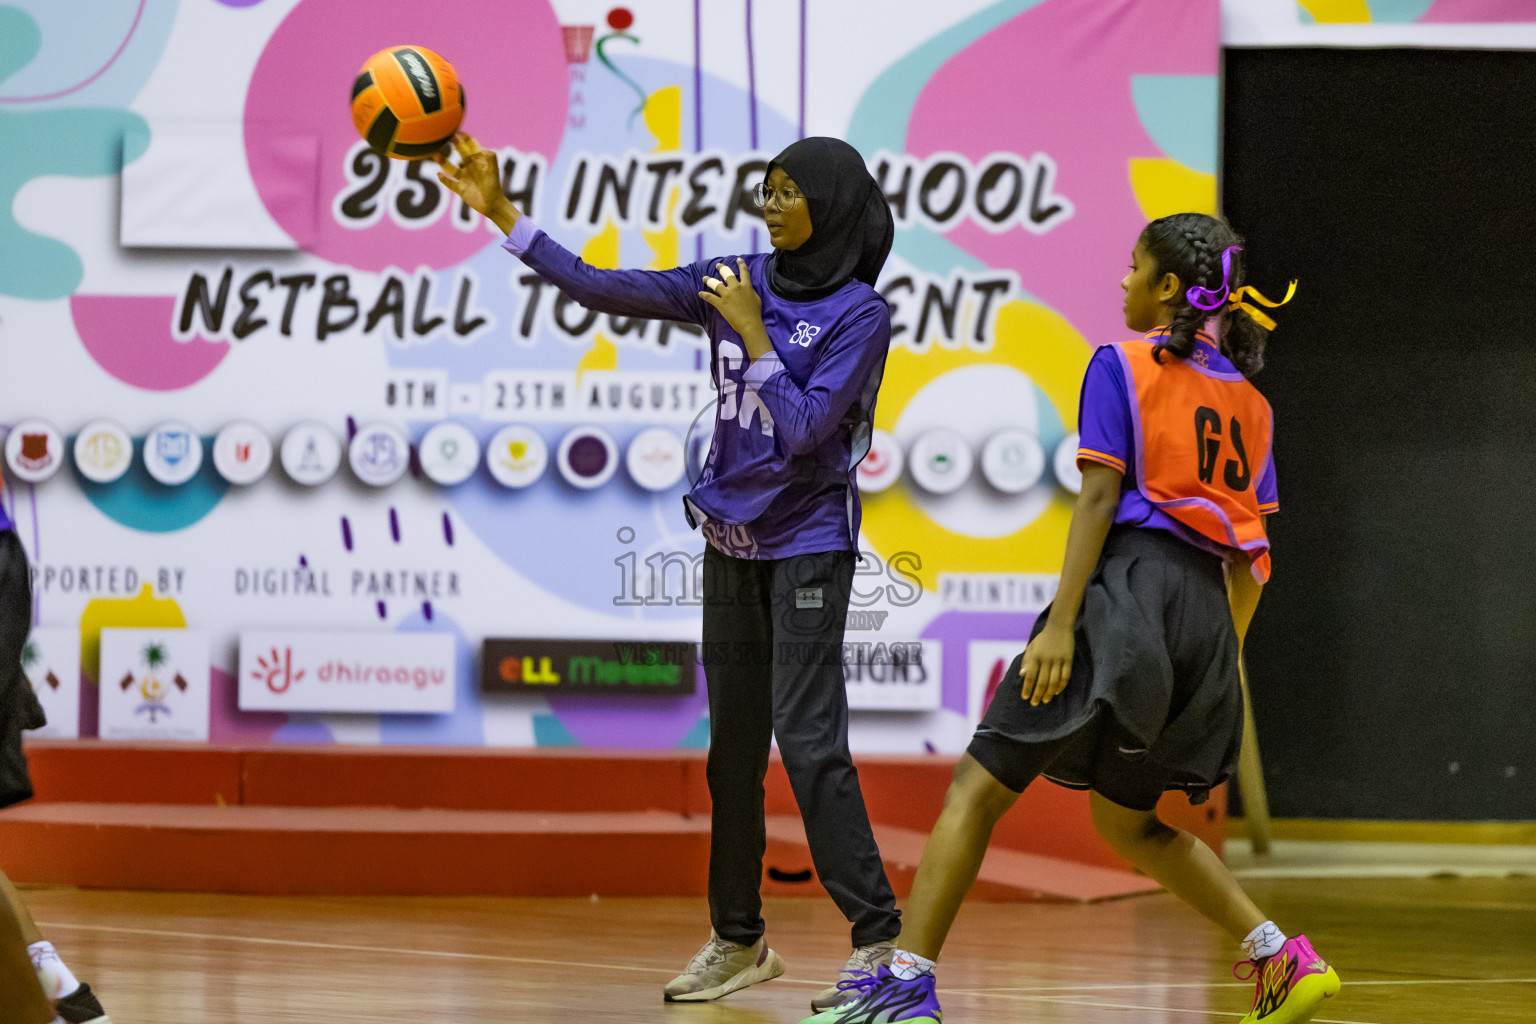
[(1208, 443), (714, 189)]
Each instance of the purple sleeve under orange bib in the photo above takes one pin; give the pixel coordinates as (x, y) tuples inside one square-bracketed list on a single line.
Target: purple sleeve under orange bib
[(1106, 436)]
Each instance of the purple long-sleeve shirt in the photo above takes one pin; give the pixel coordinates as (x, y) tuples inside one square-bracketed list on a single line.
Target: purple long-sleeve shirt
[(790, 427)]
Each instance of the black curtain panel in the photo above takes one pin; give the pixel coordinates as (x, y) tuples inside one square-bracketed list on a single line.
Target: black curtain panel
[(1393, 660)]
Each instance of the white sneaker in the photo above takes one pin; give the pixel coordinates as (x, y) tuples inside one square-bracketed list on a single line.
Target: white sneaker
[(721, 968), (865, 960)]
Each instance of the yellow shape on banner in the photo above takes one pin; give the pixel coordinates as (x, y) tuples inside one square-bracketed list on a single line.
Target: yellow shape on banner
[(142, 612), (1057, 356), (663, 243), (1163, 187), (1053, 355), (1337, 12), (602, 249), (664, 117), (603, 355)]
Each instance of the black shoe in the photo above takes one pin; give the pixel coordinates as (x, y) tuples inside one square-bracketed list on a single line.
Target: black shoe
[(82, 1007)]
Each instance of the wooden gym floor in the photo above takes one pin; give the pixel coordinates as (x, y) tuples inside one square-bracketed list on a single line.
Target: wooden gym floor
[(1410, 951)]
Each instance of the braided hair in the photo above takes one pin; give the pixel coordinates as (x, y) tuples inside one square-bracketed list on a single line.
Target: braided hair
[(1189, 246)]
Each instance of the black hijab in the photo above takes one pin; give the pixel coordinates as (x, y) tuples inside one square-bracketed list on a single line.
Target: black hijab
[(851, 226)]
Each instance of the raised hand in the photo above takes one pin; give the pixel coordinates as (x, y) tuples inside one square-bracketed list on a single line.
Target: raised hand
[(736, 300), (477, 180)]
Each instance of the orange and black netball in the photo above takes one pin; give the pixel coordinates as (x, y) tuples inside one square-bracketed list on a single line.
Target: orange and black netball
[(407, 102)]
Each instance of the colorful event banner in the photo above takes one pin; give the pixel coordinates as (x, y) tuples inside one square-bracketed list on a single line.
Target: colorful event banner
[(1427, 12), (287, 384), (1485, 24)]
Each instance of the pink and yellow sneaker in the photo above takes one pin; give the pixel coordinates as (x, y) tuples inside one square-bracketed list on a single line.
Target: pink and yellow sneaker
[(1289, 985)]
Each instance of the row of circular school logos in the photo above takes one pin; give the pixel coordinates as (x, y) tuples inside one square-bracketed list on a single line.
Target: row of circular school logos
[(379, 454), (940, 461)]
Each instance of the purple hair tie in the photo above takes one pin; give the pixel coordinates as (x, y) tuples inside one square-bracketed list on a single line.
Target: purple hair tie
[(1205, 298)]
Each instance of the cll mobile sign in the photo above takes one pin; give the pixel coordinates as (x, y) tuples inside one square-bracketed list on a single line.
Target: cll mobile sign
[(293, 670), (587, 666)]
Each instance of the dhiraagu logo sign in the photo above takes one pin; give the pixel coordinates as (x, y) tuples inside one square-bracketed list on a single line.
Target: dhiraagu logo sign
[(587, 666), (362, 671)]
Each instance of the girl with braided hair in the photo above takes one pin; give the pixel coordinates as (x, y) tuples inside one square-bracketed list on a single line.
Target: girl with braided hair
[(1166, 555), (1193, 246)]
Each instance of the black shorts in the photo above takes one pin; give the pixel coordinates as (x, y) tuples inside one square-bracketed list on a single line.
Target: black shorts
[(1153, 702), (1121, 773)]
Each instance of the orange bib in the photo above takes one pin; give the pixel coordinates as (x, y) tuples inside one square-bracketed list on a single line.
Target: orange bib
[(1202, 444)]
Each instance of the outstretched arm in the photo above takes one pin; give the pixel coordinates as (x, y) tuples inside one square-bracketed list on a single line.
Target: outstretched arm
[(651, 294), (1047, 664)]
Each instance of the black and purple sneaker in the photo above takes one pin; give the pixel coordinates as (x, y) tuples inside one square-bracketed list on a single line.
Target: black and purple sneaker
[(884, 998)]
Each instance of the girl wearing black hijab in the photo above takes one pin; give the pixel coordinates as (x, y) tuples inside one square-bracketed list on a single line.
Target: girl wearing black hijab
[(798, 339)]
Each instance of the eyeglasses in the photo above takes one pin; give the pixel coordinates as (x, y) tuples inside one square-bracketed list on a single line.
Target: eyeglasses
[(786, 197)]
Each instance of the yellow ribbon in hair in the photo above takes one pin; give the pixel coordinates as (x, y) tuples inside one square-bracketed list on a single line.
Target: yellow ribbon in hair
[(1263, 319)]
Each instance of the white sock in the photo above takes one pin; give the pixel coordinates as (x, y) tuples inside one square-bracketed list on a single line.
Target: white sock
[(909, 966), (51, 970), (1263, 941)]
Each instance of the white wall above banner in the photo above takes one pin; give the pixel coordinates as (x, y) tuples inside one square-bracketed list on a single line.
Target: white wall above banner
[(296, 670), (155, 684)]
